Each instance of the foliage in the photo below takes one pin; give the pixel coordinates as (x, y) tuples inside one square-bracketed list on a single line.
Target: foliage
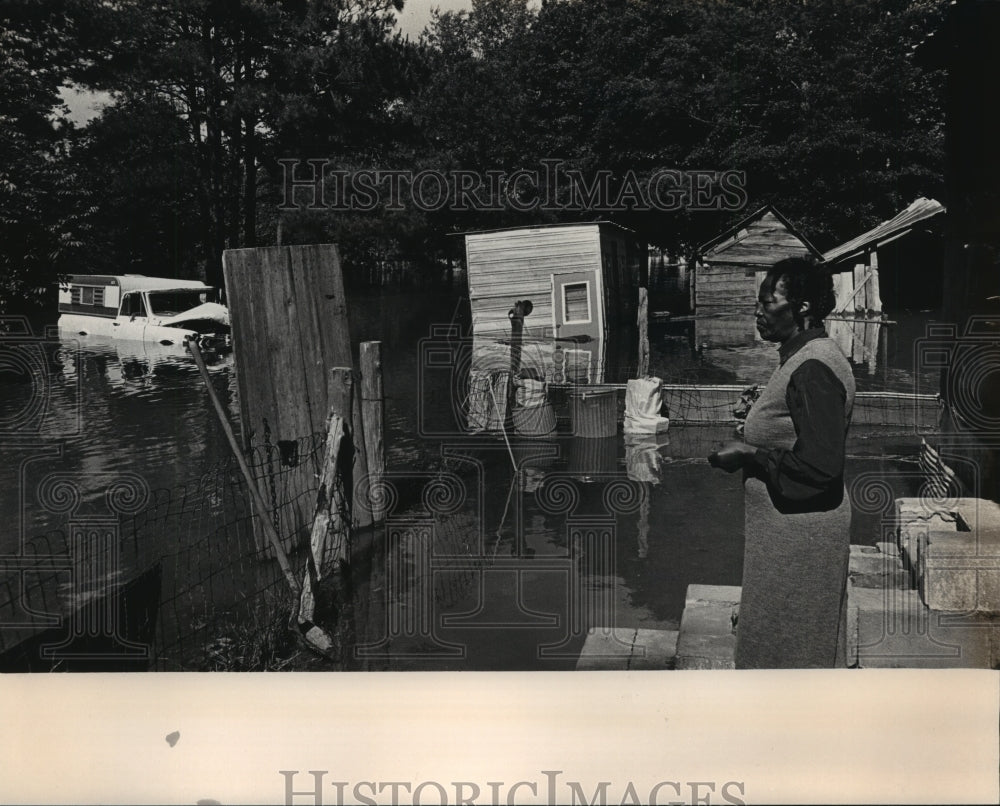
[(38, 227), (818, 103), (138, 177)]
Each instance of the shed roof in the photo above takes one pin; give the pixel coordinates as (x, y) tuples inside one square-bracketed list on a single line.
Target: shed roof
[(921, 209), (741, 234)]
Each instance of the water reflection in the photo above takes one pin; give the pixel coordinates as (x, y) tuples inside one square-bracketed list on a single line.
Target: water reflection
[(497, 555), (104, 408), (556, 537)]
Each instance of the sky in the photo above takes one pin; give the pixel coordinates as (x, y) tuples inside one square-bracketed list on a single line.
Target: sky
[(417, 13)]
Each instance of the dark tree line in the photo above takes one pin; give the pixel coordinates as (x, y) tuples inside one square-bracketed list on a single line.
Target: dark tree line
[(819, 103)]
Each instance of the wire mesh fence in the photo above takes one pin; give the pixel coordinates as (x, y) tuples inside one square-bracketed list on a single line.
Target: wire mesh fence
[(192, 580), (210, 594)]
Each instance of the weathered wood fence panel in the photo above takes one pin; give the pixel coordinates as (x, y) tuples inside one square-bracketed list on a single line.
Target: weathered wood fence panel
[(857, 321), (289, 324), (289, 320)]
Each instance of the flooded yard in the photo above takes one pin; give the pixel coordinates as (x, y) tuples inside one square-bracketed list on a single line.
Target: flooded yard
[(497, 554)]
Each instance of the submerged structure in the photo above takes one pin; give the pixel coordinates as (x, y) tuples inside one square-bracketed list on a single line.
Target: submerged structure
[(730, 269), (139, 308), (582, 282)]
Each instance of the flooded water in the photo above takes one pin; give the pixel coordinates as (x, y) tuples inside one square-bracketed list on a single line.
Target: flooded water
[(497, 554)]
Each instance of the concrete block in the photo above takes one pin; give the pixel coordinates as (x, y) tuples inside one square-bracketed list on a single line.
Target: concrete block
[(891, 549), (870, 568), (898, 579), (621, 649), (960, 571), (872, 562), (920, 509), (893, 629), (705, 650), (995, 643), (607, 648), (713, 593), (980, 515), (654, 649), (707, 637), (912, 537)]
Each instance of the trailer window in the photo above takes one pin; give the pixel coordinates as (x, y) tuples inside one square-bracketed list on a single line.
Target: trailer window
[(87, 295), (576, 303)]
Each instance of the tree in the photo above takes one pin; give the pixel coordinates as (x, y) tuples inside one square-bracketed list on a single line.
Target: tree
[(136, 175), (242, 75), (39, 227), (818, 103)]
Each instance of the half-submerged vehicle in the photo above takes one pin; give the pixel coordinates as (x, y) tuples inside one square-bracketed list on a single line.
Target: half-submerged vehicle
[(139, 308)]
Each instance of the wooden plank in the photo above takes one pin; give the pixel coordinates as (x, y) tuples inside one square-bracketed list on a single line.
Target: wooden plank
[(843, 335), (292, 302), (871, 343), (846, 294), (329, 539), (292, 418), (833, 330), (242, 278), (858, 339), (329, 536), (643, 322), (875, 297), (303, 287), (340, 390), (373, 414), (859, 286), (362, 514), (289, 323), (346, 401), (848, 338)]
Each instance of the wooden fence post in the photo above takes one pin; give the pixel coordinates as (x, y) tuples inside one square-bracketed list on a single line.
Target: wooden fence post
[(362, 514), (373, 415), (345, 402), (643, 322)]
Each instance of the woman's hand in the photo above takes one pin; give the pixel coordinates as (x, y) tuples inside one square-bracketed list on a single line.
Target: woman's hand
[(731, 456)]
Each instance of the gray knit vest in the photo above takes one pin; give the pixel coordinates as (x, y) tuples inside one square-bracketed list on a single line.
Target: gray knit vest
[(769, 423)]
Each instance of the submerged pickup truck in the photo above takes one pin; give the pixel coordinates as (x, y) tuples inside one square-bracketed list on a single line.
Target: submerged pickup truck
[(140, 308)]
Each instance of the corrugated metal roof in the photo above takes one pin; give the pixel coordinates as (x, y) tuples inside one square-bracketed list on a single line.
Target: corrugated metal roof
[(920, 210)]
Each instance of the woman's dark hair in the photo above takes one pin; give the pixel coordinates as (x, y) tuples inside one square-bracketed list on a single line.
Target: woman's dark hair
[(804, 281)]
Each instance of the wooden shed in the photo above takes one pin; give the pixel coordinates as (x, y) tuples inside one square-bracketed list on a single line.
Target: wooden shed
[(730, 269), (583, 282), (900, 261)]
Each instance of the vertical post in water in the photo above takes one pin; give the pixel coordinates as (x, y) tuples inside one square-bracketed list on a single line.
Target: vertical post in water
[(884, 335), (521, 309), (643, 322), (345, 401), (373, 415)]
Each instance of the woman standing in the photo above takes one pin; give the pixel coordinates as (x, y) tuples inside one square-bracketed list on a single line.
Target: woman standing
[(798, 513)]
